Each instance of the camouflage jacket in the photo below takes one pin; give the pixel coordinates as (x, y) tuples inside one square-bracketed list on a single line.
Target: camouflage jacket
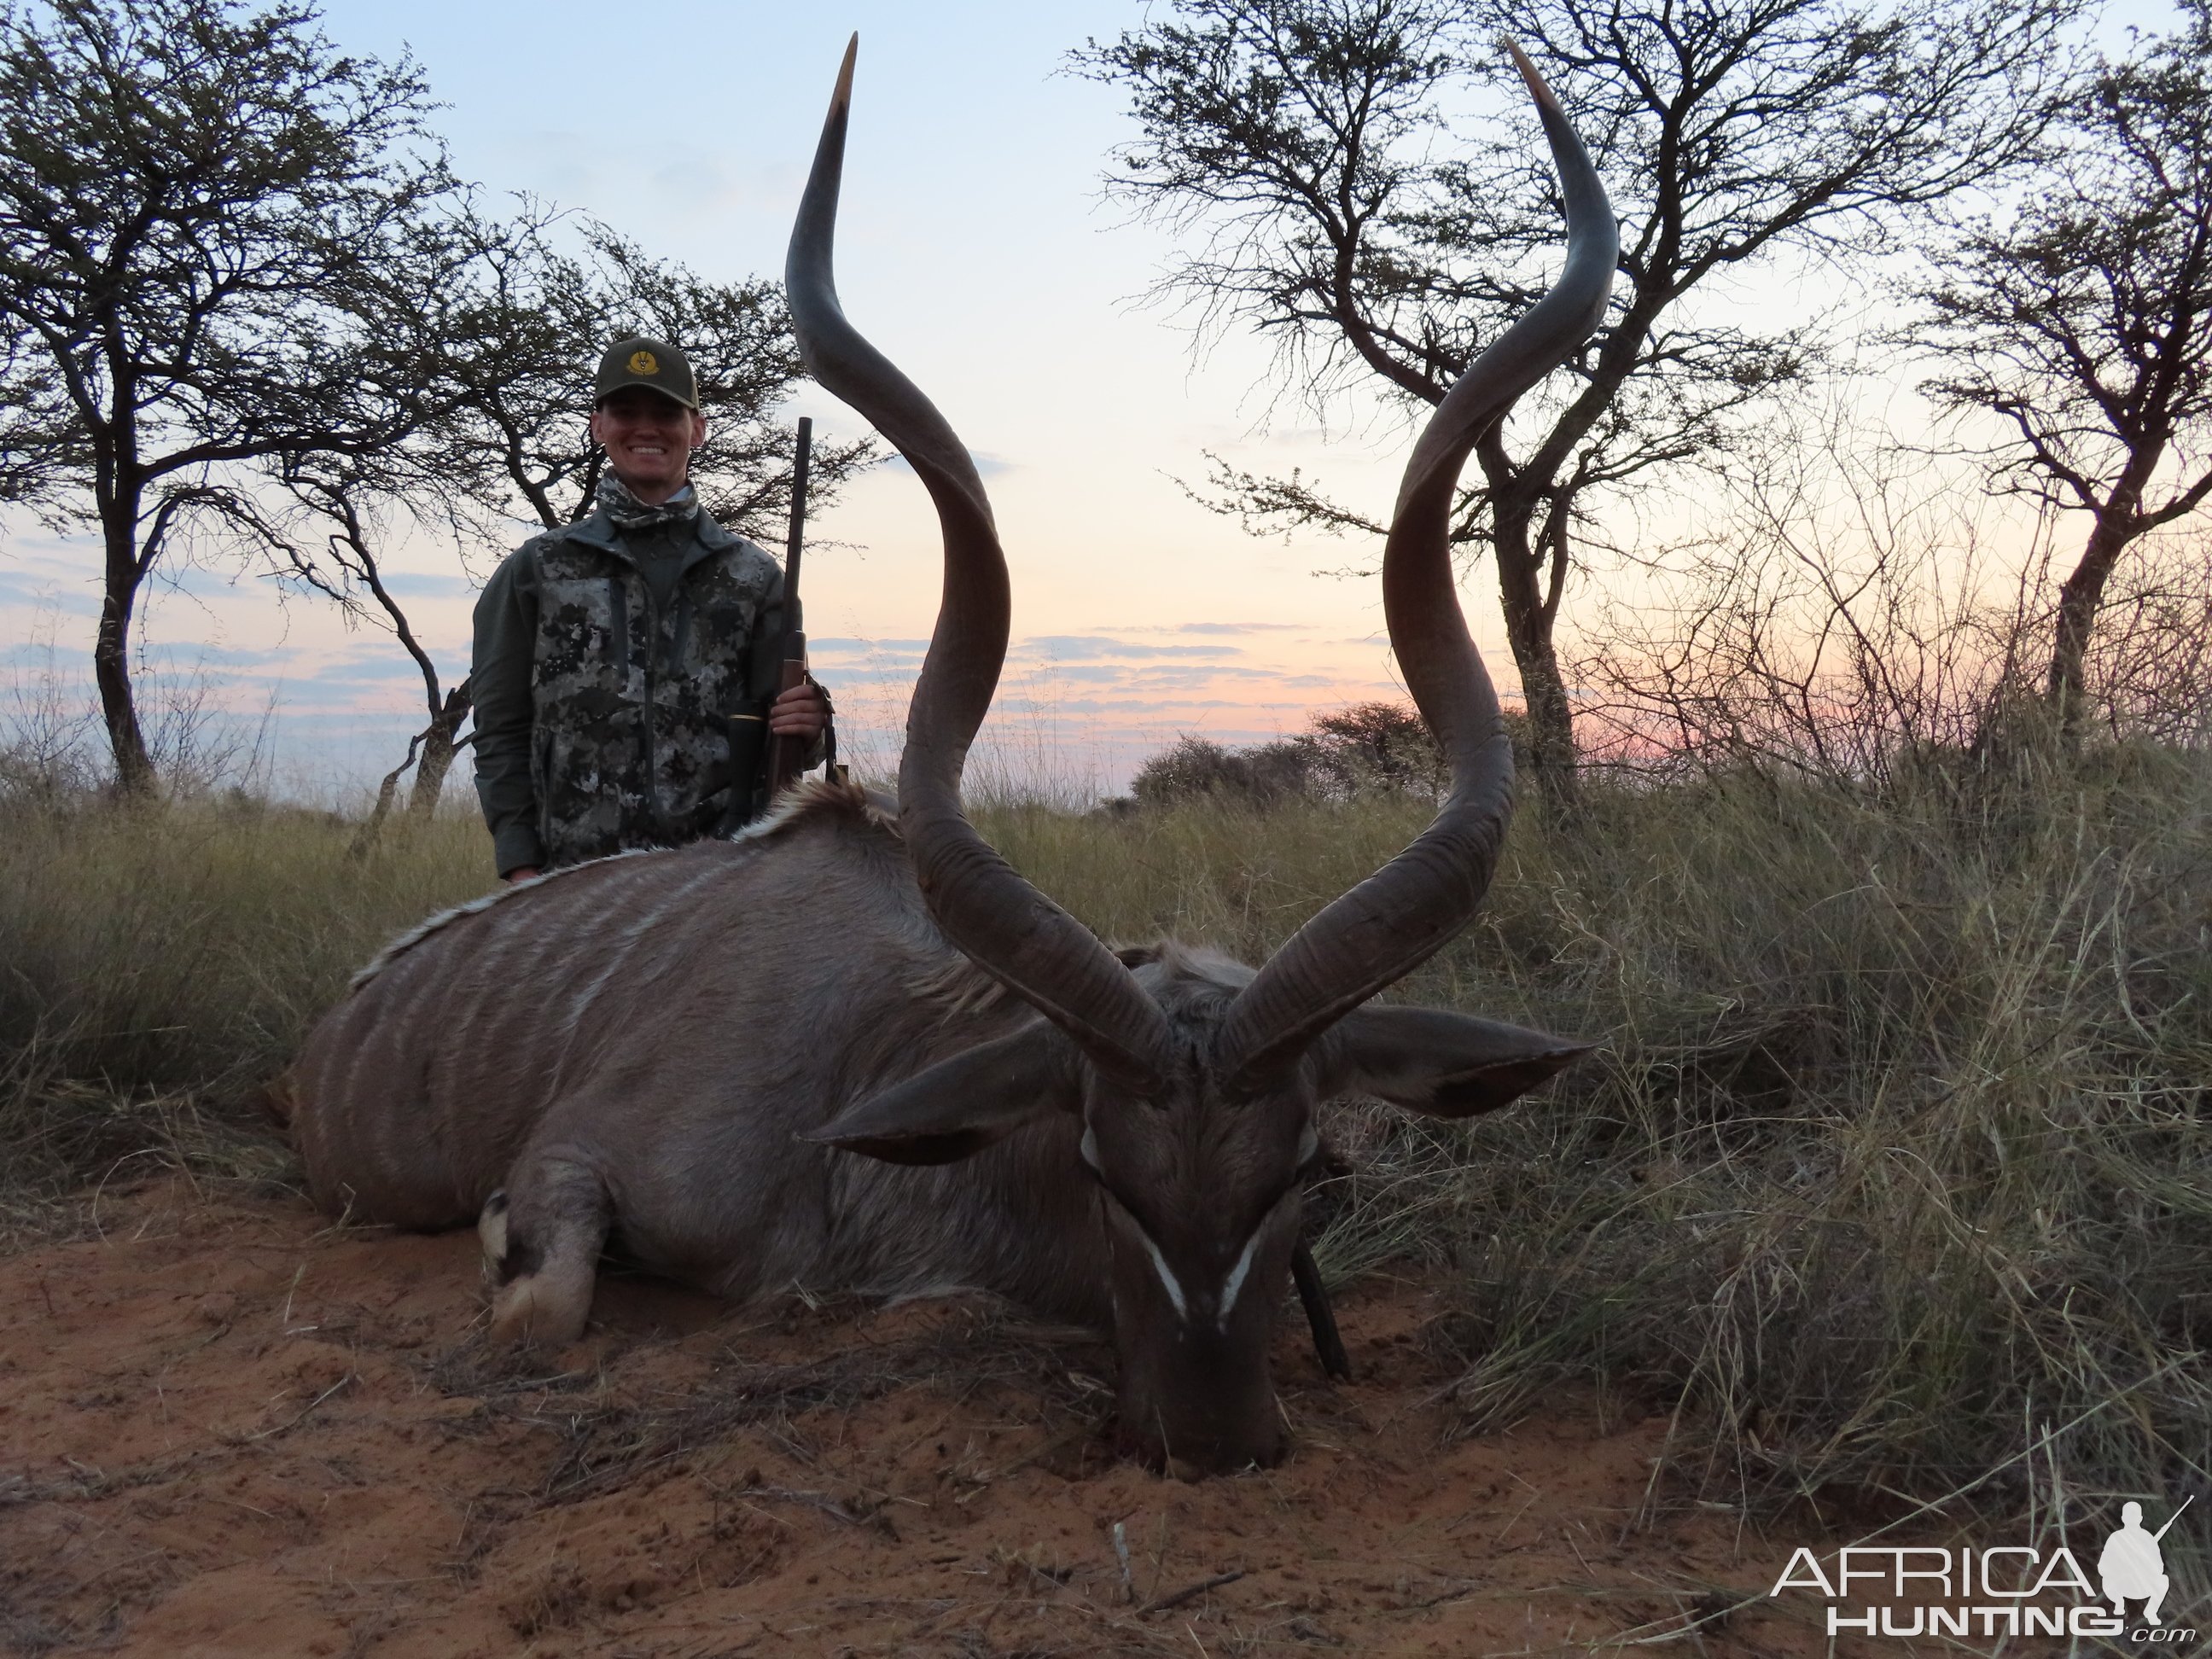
[(601, 713)]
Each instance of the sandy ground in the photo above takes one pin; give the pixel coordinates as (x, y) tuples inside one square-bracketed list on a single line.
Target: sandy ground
[(228, 1428)]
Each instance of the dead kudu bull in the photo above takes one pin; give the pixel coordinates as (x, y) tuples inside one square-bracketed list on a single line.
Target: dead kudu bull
[(687, 1046)]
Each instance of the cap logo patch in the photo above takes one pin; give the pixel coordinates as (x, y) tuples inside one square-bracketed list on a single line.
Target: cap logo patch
[(644, 362)]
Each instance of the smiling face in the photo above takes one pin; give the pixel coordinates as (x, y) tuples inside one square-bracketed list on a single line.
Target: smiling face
[(648, 437)]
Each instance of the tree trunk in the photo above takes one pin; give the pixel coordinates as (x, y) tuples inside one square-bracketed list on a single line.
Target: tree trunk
[(438, 751), (430, 774), (111, 655), (373, 826), (1528, 632), (2078, 599)]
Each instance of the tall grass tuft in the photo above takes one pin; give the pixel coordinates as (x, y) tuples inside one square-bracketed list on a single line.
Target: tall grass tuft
[(162, 961)]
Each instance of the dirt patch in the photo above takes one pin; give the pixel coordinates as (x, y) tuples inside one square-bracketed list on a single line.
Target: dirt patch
[(227, 1427)]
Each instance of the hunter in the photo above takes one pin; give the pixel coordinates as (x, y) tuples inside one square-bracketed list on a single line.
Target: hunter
[(611, 652)]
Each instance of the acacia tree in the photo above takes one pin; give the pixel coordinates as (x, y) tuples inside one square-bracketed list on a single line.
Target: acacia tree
[(1381, 236), (2084, 323), (190, 196)]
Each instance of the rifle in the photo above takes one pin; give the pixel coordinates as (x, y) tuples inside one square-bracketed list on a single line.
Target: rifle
[(786, 754), (2171, 1519), (750, 783)]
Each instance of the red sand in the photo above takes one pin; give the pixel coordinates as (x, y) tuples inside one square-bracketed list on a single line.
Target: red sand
[(228, 1428)]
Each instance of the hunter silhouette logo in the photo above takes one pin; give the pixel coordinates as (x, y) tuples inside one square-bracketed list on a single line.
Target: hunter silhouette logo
[(2133, 1567), (644, 362), (1998, 1590)]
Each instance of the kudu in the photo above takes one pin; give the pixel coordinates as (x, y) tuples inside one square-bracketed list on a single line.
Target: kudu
[(686, 1046)]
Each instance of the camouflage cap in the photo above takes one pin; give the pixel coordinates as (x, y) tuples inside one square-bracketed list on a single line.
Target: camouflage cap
[(638, 360)]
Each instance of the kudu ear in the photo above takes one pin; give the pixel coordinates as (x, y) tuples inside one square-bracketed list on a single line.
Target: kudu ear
[(1428, 1059), (959, 1106)]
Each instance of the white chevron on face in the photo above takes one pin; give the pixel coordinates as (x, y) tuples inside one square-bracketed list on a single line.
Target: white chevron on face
[(1167, 1275), (1235, 1284)]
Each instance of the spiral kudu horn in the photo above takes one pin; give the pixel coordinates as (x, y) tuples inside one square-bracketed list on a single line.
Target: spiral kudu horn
[(1405, 912), (1015, 933)]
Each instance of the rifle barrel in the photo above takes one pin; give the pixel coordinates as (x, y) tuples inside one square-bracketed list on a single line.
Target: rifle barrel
[(794, 542), (2175, 1517)]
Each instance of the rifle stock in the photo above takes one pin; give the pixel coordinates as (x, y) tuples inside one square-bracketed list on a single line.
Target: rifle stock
[(747, 732)]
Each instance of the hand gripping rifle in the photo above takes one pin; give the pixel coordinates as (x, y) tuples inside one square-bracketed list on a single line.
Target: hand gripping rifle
[(748, 728)]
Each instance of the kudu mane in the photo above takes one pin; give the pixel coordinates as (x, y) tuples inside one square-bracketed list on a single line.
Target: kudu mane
[(815, 800)]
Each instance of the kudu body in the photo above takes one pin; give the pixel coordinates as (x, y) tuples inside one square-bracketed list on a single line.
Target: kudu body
[(1119, 1139)]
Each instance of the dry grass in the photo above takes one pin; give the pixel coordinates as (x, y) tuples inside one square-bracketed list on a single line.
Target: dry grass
[(1895, 1173), (1894, 1177), (161, 963)]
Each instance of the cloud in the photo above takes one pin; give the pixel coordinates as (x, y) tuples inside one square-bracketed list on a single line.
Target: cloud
[(70, 550), (1234, 628), (74, 598), (228, 656), (987, 465), (1150, 718), (883, 647), (62, 656), (1208, 674), (1077, 646), (427, 584), (365, 671)]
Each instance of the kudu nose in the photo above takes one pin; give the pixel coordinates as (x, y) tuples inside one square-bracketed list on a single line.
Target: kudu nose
[(1200, 1454)]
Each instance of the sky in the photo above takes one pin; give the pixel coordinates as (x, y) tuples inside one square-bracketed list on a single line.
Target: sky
[(977, 249)]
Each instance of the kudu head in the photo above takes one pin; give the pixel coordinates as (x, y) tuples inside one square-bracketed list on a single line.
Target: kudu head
[(1197, 1080)]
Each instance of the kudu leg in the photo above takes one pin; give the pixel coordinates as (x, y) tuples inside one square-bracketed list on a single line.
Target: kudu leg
[(549, 1237), (1328, 1345), (491, 1233)]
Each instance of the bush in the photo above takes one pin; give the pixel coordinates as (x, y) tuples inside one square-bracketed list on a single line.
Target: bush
[(1195, 768), (1365, 749)]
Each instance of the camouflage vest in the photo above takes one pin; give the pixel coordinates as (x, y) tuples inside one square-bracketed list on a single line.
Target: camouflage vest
[(630, 746)]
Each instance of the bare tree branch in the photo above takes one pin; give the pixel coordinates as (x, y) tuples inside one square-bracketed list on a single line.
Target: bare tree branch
[(1353, 214)]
